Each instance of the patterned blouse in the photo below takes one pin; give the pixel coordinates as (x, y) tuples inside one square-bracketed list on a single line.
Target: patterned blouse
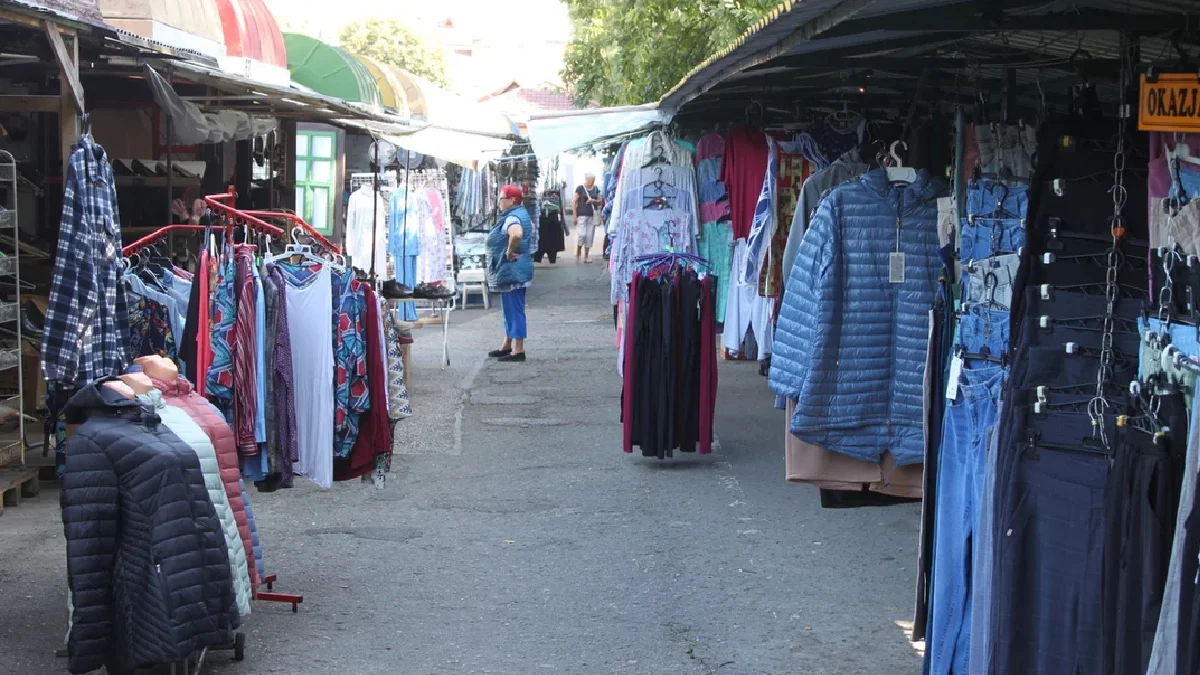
[(219, 380), (351, 396)]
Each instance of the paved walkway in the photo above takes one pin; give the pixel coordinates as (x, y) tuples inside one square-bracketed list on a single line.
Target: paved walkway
[(516, 538)]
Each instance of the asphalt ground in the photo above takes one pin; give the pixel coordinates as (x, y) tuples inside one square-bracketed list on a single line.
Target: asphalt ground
[(514, 537)]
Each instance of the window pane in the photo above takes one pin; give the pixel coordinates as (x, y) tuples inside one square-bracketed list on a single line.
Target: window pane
[(300, 193), (322, 172), (301, 170), (320, 208), (322, 146), (301, 145)]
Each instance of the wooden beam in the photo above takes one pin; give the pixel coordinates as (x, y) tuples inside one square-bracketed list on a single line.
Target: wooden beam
[(29, 103), (68, 66)]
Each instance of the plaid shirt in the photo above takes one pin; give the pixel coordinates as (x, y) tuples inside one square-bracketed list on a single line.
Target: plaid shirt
[(87, 322)]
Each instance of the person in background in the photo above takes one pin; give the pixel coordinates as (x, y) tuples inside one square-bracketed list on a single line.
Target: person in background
[(552, 227), (510, 270), (587, 204)]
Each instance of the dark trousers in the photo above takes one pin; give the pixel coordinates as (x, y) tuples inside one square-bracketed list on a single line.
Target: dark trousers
[(1054, 505), (1188, 648), (1141, 502), (1049, 535)]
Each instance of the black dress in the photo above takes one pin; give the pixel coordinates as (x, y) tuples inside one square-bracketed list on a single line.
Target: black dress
[(551, 240)]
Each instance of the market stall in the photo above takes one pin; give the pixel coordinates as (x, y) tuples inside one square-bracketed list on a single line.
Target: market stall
[(158, 268), (962, 232)]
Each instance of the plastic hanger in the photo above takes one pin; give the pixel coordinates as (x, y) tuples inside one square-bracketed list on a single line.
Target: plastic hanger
[(898, 173)]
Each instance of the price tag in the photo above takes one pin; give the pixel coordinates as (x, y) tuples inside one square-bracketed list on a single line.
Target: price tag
[(956, 366), (896, 267)]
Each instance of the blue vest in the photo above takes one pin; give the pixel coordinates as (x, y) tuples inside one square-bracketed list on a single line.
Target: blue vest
[(501, 270)]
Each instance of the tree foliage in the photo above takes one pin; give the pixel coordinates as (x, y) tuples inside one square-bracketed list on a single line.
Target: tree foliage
[(392, 42), (626, 52)]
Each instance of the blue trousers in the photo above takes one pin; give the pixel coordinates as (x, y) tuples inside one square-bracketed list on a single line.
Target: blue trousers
[(406, 273), (962, 464), (513, 305)]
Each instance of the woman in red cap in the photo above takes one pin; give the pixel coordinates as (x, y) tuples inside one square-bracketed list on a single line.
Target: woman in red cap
[(510, 270)]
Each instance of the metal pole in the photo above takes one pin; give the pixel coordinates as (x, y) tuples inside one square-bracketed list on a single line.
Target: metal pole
[(1010, 95), (960, 156), (269, 160), (170, 168), (404, 232), (375, 210)]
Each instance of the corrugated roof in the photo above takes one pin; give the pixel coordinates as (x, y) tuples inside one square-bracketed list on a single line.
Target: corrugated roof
[(80, 11), (796, 30)]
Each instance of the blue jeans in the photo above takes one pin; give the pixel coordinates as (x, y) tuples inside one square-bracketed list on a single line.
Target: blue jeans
[(969, 419), (983, 237), (512, 303), (1185, 179), (985, 198), (990, 281), (982, 561), (983, 330)]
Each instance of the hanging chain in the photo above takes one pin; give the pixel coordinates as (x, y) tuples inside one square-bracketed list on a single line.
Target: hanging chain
[(1104, 374), (1166, 293)]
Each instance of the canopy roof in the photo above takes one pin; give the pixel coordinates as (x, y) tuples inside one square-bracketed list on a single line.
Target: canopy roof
[(330, 70), (251, 31), (465, 149), (885, 55), (553, 133), (431, 103), (190, 24), (391, 88)]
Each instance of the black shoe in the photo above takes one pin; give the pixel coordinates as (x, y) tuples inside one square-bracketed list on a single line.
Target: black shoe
[(28, 329), (120, 168), (498, 353), (512, 358), (395, 291), (429, 291), (36, 318)]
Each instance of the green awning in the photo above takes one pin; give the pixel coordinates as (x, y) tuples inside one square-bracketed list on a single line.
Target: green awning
[(330, 70)]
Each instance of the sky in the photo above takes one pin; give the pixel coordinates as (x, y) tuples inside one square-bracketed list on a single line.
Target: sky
[(531, 61), (544, 16)]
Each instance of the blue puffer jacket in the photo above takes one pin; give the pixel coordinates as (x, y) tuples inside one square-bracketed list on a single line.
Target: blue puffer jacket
[(147, 564), (501, 270), (849, 344)]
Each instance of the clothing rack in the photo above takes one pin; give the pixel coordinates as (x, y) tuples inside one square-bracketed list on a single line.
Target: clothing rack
[(217, 203), (249, 220)]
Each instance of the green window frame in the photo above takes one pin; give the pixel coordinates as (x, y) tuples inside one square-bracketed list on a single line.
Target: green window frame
[(316, 178)]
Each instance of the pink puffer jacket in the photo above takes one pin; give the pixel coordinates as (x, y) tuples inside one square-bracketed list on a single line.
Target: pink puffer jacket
[(181, 395)]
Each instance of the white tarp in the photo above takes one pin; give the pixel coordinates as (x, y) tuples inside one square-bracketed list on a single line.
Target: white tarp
[(551, 135), (466, 149), (470, 151)]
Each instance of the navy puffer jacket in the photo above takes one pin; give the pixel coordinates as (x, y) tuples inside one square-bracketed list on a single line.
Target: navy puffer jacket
[(146, 558), (850, 345)]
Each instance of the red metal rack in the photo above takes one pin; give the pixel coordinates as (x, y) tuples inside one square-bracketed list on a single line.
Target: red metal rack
[(220, 204)]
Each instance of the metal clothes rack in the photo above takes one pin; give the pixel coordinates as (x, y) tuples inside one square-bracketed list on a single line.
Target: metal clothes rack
[(10, 313), (436, 179), (252, 220)]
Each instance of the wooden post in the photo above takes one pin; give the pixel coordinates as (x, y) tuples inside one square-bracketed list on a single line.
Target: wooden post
[(71, 104)]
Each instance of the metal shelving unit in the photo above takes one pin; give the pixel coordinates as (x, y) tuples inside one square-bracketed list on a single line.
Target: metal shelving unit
[(12, 399)]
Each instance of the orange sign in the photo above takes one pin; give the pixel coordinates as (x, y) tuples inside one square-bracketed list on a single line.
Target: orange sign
[(1170, 103)]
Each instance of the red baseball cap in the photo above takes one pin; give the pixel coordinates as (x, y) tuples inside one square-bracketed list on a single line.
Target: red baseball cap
[(512, 192)]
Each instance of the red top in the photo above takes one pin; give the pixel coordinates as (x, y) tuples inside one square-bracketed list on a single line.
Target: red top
[(251, 31), (743, 170), (374, 432)]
